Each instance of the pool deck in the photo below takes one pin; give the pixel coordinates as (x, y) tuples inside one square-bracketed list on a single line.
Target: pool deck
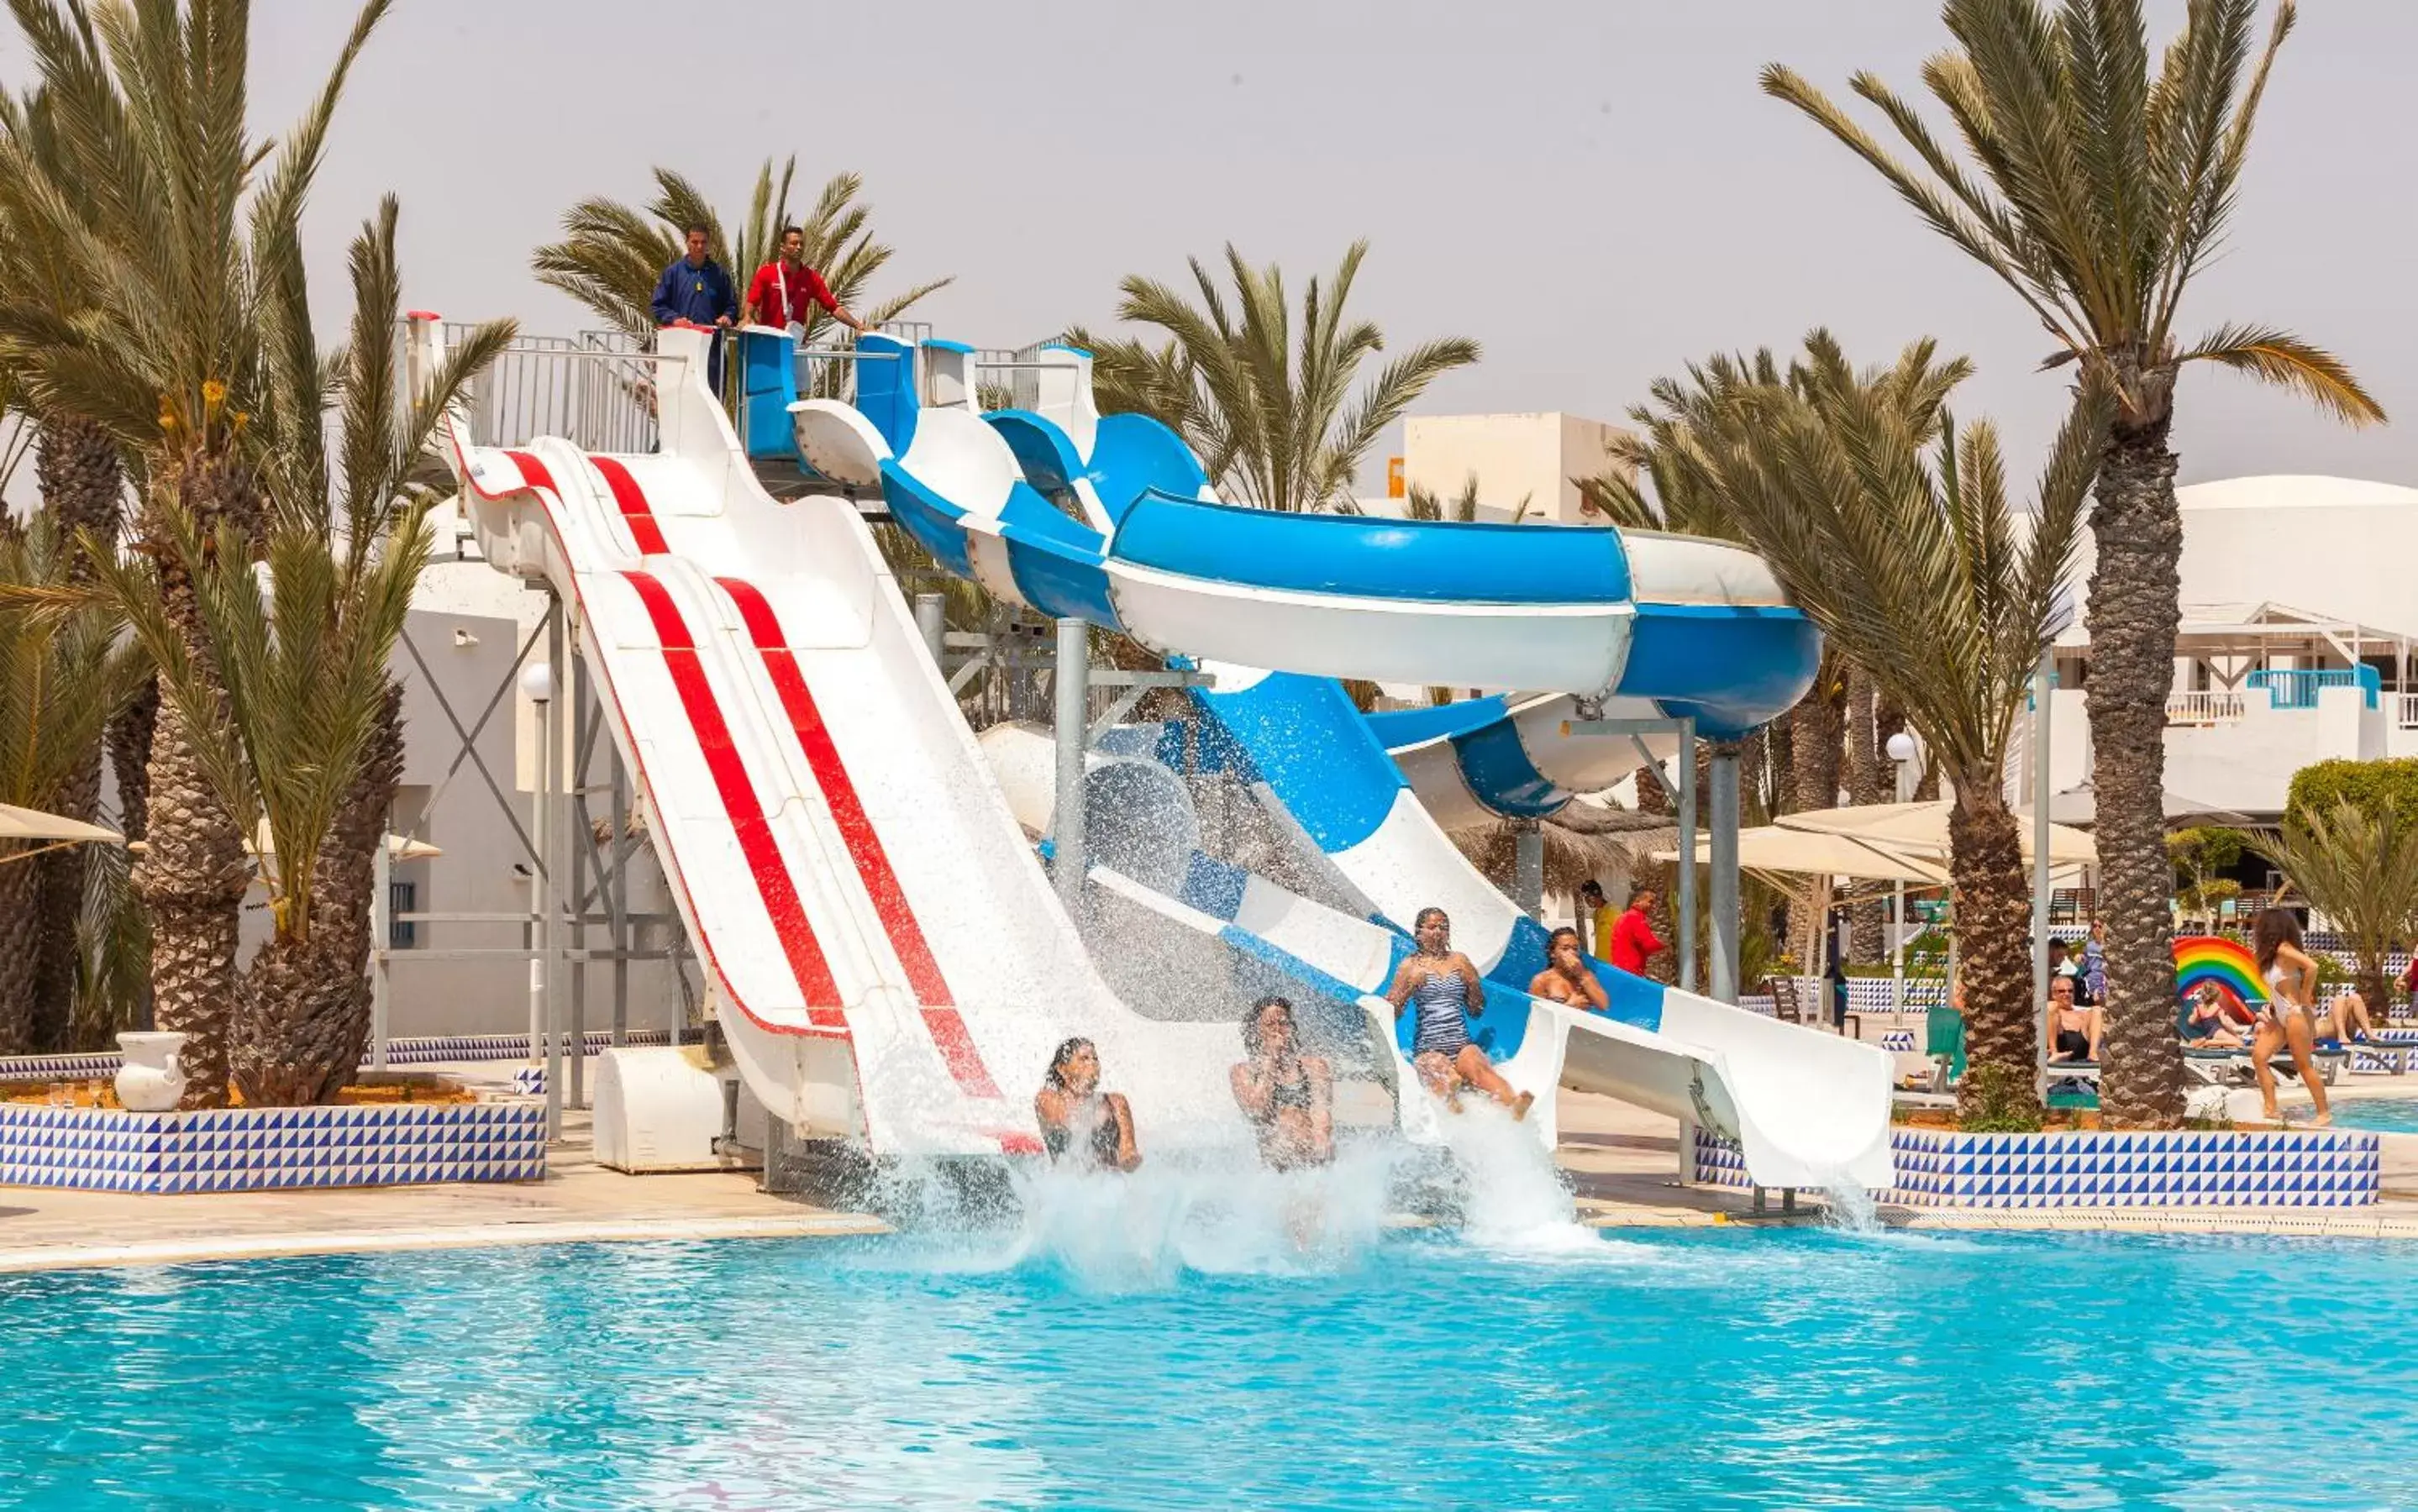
[(1622, 1164)]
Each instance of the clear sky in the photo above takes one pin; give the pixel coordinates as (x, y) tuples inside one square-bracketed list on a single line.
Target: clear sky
[(1593, 188)]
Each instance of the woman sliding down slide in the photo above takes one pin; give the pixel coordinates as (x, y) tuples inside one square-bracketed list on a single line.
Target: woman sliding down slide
[(1288, 1096), (1444, 983), (1082, 1125), (1566, 978)]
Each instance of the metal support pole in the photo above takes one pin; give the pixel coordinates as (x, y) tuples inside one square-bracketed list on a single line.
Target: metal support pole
[(1067, 817), (549, 877), (2041, 679), (931, 622), (381, 940), (616, 897), (1897, 906), (1528, 867), (1686, 805), (1725, 870), (577, 850)]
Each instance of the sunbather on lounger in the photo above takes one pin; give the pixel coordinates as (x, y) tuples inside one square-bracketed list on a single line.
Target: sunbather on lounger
[(2210, 1027), (2073, 1033), (2346, 1019)]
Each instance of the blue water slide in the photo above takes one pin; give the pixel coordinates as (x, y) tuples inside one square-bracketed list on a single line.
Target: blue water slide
[(1041, 511)]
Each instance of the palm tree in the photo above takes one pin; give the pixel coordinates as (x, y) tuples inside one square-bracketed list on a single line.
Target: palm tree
[(611, 253), (81, 478), (310, 748), (183, 235), (1420, 503), (2095, 188), (60, 680), (1687, 499), (1913, 568), (2358, 865), (1272, 413)]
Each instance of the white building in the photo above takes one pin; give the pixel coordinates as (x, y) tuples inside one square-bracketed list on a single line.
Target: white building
[(2298, 623), (1517, 459)]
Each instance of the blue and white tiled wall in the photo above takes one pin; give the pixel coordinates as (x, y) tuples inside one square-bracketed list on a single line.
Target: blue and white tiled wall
[(253, 1149), (2299, 1168)]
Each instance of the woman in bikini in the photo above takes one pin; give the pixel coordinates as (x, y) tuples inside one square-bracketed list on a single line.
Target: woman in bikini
[(1566, 978), (2288, 1021), (1288, 1096), (1444, 986), (1082, 1125)]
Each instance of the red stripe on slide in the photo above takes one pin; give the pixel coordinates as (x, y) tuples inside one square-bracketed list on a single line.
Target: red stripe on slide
[(747, 821), (941, 1017), (533, 472), (636, 512)]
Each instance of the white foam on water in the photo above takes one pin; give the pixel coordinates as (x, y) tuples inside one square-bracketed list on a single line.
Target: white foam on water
[(1514, 1198)]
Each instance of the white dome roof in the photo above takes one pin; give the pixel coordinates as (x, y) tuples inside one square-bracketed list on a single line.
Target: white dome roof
[(2293, 491)]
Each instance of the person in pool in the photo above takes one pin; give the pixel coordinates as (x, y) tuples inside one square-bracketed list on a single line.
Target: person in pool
[(1566, 978), (1288, 1096), (1443, 984), (2288, 1022), (1081, 1124)]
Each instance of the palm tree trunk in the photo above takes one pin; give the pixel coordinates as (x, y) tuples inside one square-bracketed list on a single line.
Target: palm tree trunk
[(194, 869), (130, 759), (2133, 617), (1867, 924), (1814, 752), (1985, 860), (1780, 735), (19, 933), (307, 1003), (192, 880)]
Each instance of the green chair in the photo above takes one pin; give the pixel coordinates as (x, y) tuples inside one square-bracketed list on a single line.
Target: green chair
[(1943, 1035)]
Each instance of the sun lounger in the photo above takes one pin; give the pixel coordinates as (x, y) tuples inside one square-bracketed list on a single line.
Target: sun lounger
[(2231, 1065)]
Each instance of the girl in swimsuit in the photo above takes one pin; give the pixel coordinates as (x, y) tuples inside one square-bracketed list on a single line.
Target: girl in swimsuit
[(1566, 978), (1288, 1096), (1445, 984), (1081, 1124), (2288, 1021)]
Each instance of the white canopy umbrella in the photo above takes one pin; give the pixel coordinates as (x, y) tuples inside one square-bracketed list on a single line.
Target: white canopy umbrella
[(58, 830), (1920, 829), (2080, 805), (398, 846), (1778, 850)]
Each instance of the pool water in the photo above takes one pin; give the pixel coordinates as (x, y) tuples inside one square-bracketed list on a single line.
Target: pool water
[(1723, 1367), (2386, 1115)]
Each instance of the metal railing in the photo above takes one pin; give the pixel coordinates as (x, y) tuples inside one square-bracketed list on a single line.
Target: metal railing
[(2406, 714), (2297, 688), (2208, 707), (595, 389)]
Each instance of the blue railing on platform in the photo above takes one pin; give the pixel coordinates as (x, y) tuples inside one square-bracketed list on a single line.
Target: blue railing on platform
[(2298, 688)]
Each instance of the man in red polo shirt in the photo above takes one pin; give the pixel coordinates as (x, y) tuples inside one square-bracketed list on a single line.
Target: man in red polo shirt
[(1633, 934), (783, 289)]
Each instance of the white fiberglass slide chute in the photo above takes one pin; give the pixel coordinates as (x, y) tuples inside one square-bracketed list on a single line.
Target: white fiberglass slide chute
[(1669, 624), (886, 962)]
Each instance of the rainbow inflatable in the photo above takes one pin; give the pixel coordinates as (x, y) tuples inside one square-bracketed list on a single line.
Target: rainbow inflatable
[(2229, 963)]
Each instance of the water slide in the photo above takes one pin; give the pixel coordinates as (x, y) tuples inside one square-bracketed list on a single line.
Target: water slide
[(1109, 519), (884, 960)]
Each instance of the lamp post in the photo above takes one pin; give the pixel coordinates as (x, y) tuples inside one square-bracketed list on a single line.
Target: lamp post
[(1902, 749)]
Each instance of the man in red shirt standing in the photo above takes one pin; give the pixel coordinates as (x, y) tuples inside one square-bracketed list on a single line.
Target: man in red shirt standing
[(1633, 934), (783, 289)]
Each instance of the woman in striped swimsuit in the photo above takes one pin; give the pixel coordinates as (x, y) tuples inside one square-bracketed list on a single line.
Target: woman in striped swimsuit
[(1441, 984)]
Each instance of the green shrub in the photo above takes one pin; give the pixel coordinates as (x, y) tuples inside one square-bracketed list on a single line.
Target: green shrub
[(2373, 786), (1998, 1100)]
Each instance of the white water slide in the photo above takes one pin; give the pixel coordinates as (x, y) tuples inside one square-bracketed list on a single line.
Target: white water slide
[(886, 961), (1109, 519)]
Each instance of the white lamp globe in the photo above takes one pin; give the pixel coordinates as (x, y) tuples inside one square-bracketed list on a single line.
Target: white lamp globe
[(537, 682), (1901, 746)]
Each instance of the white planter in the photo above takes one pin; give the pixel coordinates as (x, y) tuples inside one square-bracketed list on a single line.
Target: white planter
[(152, 1079)]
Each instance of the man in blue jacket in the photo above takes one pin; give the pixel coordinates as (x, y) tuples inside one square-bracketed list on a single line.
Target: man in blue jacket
[(695, 289)]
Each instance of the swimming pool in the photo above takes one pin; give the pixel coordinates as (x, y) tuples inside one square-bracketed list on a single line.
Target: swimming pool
[(1708, 1367), (2387, 1115)]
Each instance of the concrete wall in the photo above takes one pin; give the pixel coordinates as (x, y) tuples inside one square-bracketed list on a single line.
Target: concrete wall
[(1514, 457)]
